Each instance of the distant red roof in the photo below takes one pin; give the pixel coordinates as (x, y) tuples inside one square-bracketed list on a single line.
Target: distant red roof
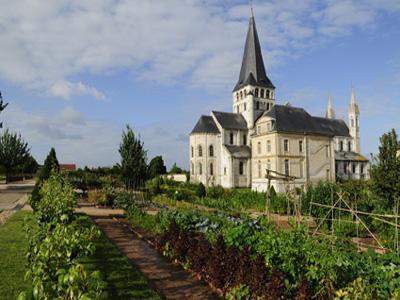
[(67, 167)]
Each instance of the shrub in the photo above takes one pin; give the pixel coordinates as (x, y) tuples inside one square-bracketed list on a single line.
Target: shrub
[(97, 197), (216, 192), (201, 190)]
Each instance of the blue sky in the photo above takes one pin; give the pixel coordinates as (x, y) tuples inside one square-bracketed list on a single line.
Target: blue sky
[(75, 72)]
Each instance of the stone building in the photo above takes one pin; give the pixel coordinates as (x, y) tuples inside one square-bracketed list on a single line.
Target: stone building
[(236, 149)]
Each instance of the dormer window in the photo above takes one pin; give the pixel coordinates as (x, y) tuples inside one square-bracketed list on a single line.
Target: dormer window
[(262, 93), (267, 94), (256, 93), (231, 138)]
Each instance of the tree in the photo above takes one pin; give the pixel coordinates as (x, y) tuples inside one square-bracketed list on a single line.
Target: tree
[(133, 160), (175, 169), (386, 173), (50, 164), (157, 167), (2, 107), (201, 190), (30, 166), (14, 152)]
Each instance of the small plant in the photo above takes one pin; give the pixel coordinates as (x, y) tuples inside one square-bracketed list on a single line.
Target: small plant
[(239, 293)]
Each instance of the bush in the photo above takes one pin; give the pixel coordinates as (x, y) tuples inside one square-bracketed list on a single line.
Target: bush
[(216, 192), (201, 190), (97, 197)]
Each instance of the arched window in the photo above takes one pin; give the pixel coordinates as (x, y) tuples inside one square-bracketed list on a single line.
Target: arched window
[(237, 96), (200, 150), (262, 93), (192, 151), (192, 168), (349, 145), (211, 150), (241, 95), (241, 168), (341, 146), (256, 92), (258, 105), (267, 94), (200, 169), (231, 138), (211, 169), (259, 169)]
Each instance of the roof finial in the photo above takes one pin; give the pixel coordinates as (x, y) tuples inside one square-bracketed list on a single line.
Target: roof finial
[(251, 8)]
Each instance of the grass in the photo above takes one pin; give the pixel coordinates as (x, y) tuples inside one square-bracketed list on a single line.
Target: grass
[(13, 244), (122, 280)]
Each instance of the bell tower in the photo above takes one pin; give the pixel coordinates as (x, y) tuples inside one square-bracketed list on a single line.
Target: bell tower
[(354, 121), (254, 92)]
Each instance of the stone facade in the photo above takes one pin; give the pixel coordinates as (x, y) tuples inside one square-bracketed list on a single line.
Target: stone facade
[(238, 149)]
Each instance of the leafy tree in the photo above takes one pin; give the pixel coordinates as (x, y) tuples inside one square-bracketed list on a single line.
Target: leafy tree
[(175, 169), (157, 167), (386, 173), (30, 166), (50, 164), (14, 152), (133, 160)]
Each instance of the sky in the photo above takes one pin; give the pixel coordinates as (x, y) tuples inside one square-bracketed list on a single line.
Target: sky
[(76, 72)]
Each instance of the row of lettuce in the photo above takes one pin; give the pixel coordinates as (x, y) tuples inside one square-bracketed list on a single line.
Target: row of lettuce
[(358, 195), (243, 257)]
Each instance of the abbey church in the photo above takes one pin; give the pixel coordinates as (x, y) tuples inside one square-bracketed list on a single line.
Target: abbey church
[(262, 143)]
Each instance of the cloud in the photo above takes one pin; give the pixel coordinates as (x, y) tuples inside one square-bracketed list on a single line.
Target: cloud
[(198, 42), (66, 90)]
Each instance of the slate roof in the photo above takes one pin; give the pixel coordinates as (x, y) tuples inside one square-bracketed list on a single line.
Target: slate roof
[(230, 120), (352, 156), (239, 151), (253, 69), (205, 124), (297, 120)]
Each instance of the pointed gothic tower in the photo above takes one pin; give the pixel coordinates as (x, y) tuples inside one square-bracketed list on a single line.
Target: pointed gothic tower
[(330, 113), (254, 91), (354, 122)]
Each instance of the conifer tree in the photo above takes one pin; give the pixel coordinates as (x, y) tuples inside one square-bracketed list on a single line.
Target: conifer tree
[(133, 160), (386, 173), (50, 164)]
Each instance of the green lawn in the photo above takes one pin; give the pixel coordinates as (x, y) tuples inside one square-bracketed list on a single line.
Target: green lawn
[(123, 281), (13, 245)]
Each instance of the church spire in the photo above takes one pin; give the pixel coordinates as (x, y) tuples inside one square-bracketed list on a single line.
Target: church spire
[(253, 70), (330, 113)]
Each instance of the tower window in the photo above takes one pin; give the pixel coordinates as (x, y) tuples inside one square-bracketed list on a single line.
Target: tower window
[(268, 146), (349, 145), (341, 146), (354, 168), (258, 105), (262, 93), (267, 105), (300, 146), (211, 150), (244, 139), (200, 150), (211, 169), (286, 167), (241, 168), (192, 151), (200, 169), (259, 147), (352, 122), (237, 96), (241, 95), (286, 145), (256, 92), (231, 138), (267, 93)]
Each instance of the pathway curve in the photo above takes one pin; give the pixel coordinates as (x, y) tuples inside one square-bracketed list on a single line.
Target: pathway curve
[(169, 279)]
